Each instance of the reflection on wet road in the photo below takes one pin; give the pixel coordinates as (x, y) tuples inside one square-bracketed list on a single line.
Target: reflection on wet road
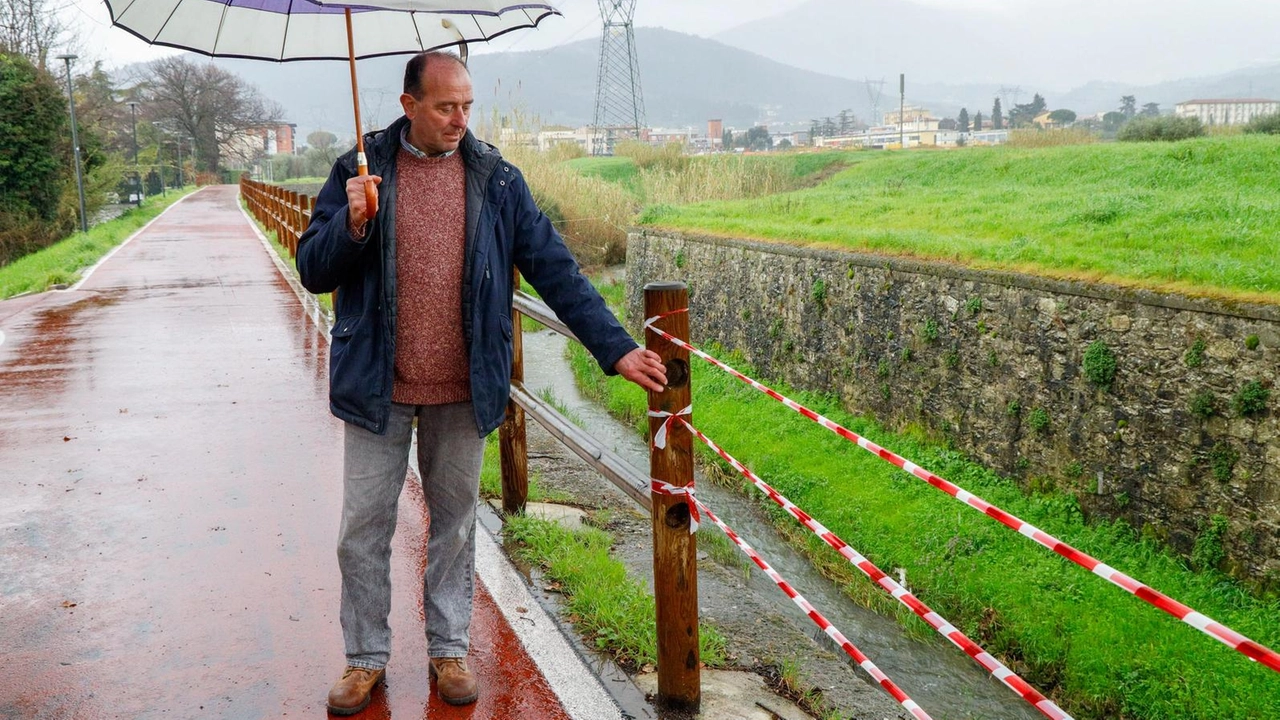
[(170, 494)]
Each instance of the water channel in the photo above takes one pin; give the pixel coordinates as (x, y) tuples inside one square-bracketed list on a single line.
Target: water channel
[(936, 674)]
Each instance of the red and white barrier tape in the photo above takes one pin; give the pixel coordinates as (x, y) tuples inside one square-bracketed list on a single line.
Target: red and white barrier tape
[(891, 586), (659, 487), (660, 437), (1249, 648), (863, 661)]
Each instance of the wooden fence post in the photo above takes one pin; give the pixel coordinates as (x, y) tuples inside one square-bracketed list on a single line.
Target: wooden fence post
[(515, 454), (295, 220), (675, 549)]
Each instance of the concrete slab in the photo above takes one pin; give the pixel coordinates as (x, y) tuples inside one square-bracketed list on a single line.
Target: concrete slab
[(733, 695)]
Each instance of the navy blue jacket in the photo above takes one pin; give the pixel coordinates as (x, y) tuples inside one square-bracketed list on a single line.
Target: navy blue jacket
[(504, 228)]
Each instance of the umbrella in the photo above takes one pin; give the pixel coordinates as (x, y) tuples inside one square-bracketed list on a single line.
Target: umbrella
[(287, 30)]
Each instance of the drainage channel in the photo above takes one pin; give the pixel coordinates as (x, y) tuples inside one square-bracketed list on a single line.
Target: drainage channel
[(937, 675)]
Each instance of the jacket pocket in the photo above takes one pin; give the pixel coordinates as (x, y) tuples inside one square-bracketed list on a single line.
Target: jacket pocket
[(505, 322)]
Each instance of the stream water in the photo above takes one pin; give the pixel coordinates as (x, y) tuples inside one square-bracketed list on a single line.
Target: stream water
[(935, 674)]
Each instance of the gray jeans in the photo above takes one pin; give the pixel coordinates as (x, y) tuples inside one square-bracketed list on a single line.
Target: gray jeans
[(450, 452)]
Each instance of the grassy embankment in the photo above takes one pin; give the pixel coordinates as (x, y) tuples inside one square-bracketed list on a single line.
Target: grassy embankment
[(1198, 216), (62, 262), (1101, 652), (609, 608), (593, 201)]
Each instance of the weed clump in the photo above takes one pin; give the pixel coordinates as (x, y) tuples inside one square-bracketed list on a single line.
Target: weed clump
[(1099, 364), (1223, 459), (1203, 405), (1251, 399), (1194, 357), (1208, 552), (1038, 420)]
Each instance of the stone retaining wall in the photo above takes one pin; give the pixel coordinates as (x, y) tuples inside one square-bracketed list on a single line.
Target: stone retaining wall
[(1175, 438)]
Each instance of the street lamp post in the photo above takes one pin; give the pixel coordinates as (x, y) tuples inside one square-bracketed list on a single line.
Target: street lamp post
[(75, 142), (137, 178)]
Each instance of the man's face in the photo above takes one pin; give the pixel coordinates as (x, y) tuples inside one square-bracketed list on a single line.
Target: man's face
[(438, 121)]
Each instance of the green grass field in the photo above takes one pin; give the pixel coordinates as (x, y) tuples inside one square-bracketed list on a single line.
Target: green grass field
[(1198, 216), (1099, 652), (62, 262)]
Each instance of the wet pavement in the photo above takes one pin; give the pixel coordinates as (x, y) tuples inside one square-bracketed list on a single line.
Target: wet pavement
[(169, 499)]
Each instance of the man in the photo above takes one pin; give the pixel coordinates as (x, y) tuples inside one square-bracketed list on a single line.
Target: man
[(423, 332)]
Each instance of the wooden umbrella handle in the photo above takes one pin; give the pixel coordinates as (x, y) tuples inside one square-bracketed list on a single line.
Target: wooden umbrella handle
[(362, 164)]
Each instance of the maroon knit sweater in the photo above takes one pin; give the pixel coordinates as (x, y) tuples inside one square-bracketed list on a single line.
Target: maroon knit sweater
[(431, 365)]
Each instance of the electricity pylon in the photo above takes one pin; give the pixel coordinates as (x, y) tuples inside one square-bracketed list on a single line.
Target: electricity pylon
[(619, 101)]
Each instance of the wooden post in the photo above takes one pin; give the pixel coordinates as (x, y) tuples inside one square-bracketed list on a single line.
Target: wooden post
[(295, 219), (675, 549), (515, 454)]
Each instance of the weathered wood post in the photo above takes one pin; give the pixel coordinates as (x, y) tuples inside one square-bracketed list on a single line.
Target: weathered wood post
[(291, 198), (675, 548), (511, 436)]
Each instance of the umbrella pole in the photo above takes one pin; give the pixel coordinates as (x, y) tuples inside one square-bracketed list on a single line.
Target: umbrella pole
[(362, 163)]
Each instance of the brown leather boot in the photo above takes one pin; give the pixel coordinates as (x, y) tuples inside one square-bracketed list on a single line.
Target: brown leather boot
[(456, 684), (352, 693)]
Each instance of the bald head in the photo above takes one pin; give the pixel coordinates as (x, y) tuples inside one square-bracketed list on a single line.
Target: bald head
[(423, 65)]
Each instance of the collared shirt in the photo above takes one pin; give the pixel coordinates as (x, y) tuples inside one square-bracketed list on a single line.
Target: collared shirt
[(404, 143)]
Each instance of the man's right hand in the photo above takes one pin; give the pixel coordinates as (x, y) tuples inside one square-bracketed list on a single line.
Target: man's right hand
[(357, 208)]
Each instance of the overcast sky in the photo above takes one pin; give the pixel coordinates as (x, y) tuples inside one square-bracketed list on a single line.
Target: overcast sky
[(581, 20), (98, 41)]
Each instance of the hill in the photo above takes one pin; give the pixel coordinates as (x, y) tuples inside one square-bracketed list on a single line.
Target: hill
[(686, 81), (1047, 47)]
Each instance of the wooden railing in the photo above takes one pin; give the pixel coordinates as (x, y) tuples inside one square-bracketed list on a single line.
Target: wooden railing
[(674, 546), (285, 212)]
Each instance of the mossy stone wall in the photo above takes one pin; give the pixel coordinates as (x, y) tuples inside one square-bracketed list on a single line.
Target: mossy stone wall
[(1156, 408)]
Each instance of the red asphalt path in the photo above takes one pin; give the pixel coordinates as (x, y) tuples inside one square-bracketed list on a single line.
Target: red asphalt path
[(170, 494)]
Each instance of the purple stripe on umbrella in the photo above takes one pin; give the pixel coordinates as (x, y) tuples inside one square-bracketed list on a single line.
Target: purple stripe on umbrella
[(306, 7), (294, 7)]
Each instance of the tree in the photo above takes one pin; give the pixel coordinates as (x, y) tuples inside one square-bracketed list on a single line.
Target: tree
[(726, 140), (962, 122), (784, 144), (1128, 106), (35, 166), (1024, 113), (846, 121), (977, 122), (31, 28), (1150, 110), (997, 120), (1063, 116), (757, 139), (947, 124), (1112, 121), (322, 139), (207, 103)]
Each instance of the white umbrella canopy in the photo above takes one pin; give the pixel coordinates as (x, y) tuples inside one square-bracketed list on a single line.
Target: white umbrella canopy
[(286, 30)]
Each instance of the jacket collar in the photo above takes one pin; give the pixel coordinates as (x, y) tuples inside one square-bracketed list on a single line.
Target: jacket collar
[(382, 146)]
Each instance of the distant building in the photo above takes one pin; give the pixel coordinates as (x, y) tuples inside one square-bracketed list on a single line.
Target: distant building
[(1236, 111), (913, 119), (664, 136), (1045, 121), (715, 134)]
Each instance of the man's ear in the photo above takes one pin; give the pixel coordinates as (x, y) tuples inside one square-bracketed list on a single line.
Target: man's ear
[(409, 104)]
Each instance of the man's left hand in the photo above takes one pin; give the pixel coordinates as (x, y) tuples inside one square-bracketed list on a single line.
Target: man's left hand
[(644, 368)]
